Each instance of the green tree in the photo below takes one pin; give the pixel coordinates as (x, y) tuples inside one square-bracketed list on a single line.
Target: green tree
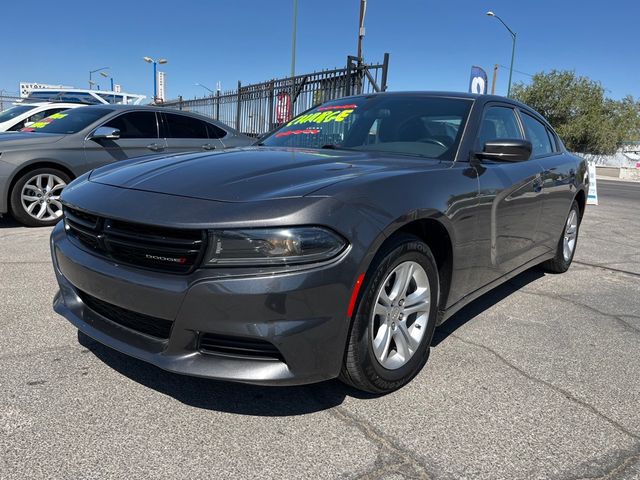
[(576, 106)]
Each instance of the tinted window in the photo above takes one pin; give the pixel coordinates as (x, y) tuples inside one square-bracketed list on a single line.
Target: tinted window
[(537, 135), (69, 121), (182, 126), (13, 112), (427, 126), (215, 132), (135, 125), (498, 123)]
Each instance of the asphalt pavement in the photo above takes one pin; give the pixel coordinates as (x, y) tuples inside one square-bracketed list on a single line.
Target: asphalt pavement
[(538, 379)]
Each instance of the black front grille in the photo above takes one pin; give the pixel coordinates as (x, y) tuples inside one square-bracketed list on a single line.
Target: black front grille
[(238, 347), (156, 248), (156, 327)]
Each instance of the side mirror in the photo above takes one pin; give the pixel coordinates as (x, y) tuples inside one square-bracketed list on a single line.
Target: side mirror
[(28, 124), (105, 133), (506, 150)]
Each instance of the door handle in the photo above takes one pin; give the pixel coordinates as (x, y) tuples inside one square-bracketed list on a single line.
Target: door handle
[(155, 147), (208, 146)]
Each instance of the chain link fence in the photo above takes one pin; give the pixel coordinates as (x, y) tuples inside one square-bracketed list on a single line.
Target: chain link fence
[(7, 101)]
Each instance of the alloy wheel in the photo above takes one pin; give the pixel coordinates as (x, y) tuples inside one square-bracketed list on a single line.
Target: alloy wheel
[(570, 235), (40, 196), (400, 315)]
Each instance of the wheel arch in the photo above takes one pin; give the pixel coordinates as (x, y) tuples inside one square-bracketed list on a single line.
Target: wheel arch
[(434, 229), (581, 198), (43, 163)]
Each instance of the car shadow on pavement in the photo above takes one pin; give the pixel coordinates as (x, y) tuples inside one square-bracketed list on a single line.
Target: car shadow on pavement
[(485, 302), (7, 221), (227, 397), (256, 400)]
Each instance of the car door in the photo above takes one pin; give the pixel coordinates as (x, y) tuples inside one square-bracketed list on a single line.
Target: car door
[(185, 133), (558, 177), (509, 196), (138, 136)]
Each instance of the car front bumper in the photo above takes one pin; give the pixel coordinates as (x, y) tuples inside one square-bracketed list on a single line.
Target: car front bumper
[(303, 314)]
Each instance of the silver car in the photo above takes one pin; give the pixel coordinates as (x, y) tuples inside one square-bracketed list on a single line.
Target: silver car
[(36, 164)]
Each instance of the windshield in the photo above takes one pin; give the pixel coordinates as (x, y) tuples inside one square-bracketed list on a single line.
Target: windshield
[(13, 112), (69, 121), (428, 126)]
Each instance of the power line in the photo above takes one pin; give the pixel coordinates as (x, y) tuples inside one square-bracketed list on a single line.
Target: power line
[(519, 71)]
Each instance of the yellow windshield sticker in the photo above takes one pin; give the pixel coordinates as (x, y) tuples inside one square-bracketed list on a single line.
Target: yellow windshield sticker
[(39, 124), (322, 117), (44, 122)]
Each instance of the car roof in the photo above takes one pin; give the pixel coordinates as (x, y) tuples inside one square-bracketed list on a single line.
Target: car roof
[(157, 108), (46, 104), (484, 98)]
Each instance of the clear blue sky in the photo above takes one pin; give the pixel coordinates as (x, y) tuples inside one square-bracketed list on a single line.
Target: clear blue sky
[(432, 43)]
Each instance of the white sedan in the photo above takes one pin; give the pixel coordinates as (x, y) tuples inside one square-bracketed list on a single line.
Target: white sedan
[(24, 114)]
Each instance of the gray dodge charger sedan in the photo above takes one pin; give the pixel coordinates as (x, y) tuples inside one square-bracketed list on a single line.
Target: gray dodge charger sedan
[(331, 249), (36, 164)]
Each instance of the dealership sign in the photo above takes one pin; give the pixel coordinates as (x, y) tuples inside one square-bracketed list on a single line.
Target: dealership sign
[(478, 81), (592, 196), (283, 108)]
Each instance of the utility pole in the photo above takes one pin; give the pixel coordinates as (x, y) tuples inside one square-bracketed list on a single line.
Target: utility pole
[(363, 11), (293, 39), (493, 82)]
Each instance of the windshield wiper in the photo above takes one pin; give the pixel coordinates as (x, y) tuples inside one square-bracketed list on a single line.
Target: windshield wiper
[(333, 146)]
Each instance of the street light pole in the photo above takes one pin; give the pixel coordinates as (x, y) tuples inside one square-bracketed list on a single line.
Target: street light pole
[(513, 48), (205, 87), (91, 72), (155, 81), (155, 74)]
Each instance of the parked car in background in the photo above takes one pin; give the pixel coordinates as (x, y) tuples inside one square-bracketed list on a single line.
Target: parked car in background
[(333, 250), (89, 97), (36, 164), (24, 114)]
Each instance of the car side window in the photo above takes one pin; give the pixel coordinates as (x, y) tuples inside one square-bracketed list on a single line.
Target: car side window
[(538, 136), (135, 125), (498, 123), (182, 126), (215, 132)]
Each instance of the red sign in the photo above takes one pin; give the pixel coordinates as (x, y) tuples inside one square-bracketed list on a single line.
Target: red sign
[(283, 108)]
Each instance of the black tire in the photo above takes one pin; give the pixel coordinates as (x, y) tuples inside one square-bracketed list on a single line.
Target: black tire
[(15, 203), (360, 367), (560, 264)]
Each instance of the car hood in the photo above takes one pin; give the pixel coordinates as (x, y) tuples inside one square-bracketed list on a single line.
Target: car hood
[(14, 140), (248, 174)]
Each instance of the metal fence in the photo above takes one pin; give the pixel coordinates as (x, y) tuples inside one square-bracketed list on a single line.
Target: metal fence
[(261, 107), (7, 101)]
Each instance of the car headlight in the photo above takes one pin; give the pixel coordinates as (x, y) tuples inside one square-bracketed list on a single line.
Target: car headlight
[(272, 246)]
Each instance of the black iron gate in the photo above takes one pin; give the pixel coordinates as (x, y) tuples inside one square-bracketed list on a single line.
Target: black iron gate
[(258, 108)]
